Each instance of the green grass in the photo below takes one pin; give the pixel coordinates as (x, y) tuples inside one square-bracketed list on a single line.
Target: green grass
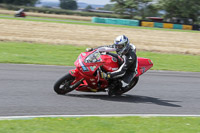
[(103, 125), (174, 62), (95, 24), (29, 53), (30, 17)]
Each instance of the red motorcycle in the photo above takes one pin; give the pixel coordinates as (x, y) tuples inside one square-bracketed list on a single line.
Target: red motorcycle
[(86, 76), (20, 13)]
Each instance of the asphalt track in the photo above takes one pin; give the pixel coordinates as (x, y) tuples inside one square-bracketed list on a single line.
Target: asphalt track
[(27, 90)]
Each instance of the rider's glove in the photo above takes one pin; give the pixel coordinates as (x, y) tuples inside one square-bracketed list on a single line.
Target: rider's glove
[(88, 49), (105, 75)]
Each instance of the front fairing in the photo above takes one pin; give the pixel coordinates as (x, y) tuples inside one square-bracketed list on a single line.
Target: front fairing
[(85, 66), (89, 72)]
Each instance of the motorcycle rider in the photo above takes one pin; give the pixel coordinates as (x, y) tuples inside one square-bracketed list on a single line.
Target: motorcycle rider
[(127, 69), (20, 13)]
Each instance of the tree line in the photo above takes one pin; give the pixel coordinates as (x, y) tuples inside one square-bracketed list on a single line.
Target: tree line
[(64, 4), (20, 2), (188, 9)]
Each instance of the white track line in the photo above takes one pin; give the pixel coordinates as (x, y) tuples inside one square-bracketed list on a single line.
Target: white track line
[(108, 115)]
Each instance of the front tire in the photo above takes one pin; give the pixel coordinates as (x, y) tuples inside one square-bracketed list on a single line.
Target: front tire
[(62, 85)]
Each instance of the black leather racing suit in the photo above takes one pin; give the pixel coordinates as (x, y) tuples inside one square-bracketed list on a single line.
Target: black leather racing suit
[(127, 70), (128, 67)]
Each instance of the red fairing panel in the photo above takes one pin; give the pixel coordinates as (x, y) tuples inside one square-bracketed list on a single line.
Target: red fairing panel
[(75, 73), (110, 64)]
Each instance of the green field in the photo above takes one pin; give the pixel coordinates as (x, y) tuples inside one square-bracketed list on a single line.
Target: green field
[(32, 18), (103, 125), (55, 20), (29, 53)]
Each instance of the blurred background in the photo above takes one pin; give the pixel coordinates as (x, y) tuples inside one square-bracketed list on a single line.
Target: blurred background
[(175, 11)]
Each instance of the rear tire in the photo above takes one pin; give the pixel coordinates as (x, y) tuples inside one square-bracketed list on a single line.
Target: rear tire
[(120, 92), (62, 85)]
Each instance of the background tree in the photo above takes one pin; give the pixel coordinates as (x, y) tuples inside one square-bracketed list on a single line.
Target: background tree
[(143, 6), (20, 2), (88, 7), (68, 4), (181, 8), (108, 7), (131, 7), (119, 6), (152, 11)]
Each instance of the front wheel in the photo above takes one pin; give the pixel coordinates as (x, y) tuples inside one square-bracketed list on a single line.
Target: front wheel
[(62, 85)]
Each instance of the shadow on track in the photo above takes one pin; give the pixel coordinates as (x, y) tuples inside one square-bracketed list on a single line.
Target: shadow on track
[(128, 99)]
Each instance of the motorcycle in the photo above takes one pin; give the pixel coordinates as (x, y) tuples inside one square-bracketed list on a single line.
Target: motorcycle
[(20, 13), (86, 76)]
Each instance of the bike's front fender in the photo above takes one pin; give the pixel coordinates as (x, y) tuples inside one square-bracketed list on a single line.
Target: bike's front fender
[(75, 73)]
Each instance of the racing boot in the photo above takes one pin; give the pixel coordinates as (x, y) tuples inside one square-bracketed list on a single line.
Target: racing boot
[(128, 87), (114, 88)]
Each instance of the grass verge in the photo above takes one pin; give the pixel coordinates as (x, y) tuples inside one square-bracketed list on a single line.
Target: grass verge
[(103, 125), (29, 53), (38, 19)]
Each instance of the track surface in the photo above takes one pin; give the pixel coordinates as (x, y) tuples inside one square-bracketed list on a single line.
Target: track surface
[(28, 90)]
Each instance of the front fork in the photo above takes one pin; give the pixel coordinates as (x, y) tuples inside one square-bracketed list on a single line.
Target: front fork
[(79, 79)]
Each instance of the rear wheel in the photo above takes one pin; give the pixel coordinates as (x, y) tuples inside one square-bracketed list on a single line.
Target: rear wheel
[(62, 86), (135, 81)]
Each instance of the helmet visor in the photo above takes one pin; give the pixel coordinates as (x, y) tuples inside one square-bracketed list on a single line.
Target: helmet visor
[(120, 46)]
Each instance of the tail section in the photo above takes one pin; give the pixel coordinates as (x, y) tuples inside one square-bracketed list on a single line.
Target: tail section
[(144, 64)]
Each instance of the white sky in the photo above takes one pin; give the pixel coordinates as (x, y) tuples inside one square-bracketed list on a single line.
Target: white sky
[(98, 2)]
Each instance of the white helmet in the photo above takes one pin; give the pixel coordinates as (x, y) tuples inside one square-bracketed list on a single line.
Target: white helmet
[(122, 44)]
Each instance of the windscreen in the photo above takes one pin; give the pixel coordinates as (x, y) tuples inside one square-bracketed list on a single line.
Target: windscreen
[(94, 57)]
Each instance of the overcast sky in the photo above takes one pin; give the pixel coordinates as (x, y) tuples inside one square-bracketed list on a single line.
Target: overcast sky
[(98, 2)]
